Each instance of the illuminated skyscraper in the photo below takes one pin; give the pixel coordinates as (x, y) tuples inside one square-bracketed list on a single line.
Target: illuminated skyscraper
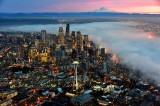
[(37, 44), (79, 40), (55, 39), (48, 40), (73, 39), (86, 39), (25, 51), (61, 36), (45, 54), (45, 38)]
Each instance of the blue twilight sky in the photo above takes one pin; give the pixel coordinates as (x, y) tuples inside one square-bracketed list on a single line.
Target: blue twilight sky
[(141, 6)]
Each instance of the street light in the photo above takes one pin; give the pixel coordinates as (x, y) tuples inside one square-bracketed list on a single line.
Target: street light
[(75, 63)]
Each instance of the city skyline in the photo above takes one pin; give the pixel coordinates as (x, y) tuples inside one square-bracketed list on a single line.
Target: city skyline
[(42, 69), (30, 6)]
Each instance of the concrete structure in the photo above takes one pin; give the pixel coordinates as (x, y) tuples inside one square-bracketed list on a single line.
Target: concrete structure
[(75, 63)]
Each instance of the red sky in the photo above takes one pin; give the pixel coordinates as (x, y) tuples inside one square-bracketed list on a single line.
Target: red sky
[(131, 6)]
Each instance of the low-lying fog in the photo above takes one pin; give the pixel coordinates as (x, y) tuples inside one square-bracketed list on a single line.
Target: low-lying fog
[(133, 46)]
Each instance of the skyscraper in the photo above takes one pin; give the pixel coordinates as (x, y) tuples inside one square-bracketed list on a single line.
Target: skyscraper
[(67, 30), (43, 33), (48, 40), (73, 34), (37, 44), (73, 39), (61, 36), (86, 39), (102, 50), (79, 40)]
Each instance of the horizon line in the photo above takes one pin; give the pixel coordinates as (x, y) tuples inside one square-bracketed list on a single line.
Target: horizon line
[(77, 12)]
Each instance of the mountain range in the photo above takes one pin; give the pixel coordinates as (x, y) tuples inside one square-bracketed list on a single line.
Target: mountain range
[(72, 14)]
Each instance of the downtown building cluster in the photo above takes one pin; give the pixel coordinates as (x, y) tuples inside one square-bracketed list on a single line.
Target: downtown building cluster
[(41, 69)]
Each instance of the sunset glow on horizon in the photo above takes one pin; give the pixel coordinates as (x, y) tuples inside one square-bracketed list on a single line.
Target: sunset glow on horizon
[(129, 6)]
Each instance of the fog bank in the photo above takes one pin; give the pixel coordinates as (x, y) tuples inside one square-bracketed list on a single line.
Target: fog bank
[(133, 46)]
